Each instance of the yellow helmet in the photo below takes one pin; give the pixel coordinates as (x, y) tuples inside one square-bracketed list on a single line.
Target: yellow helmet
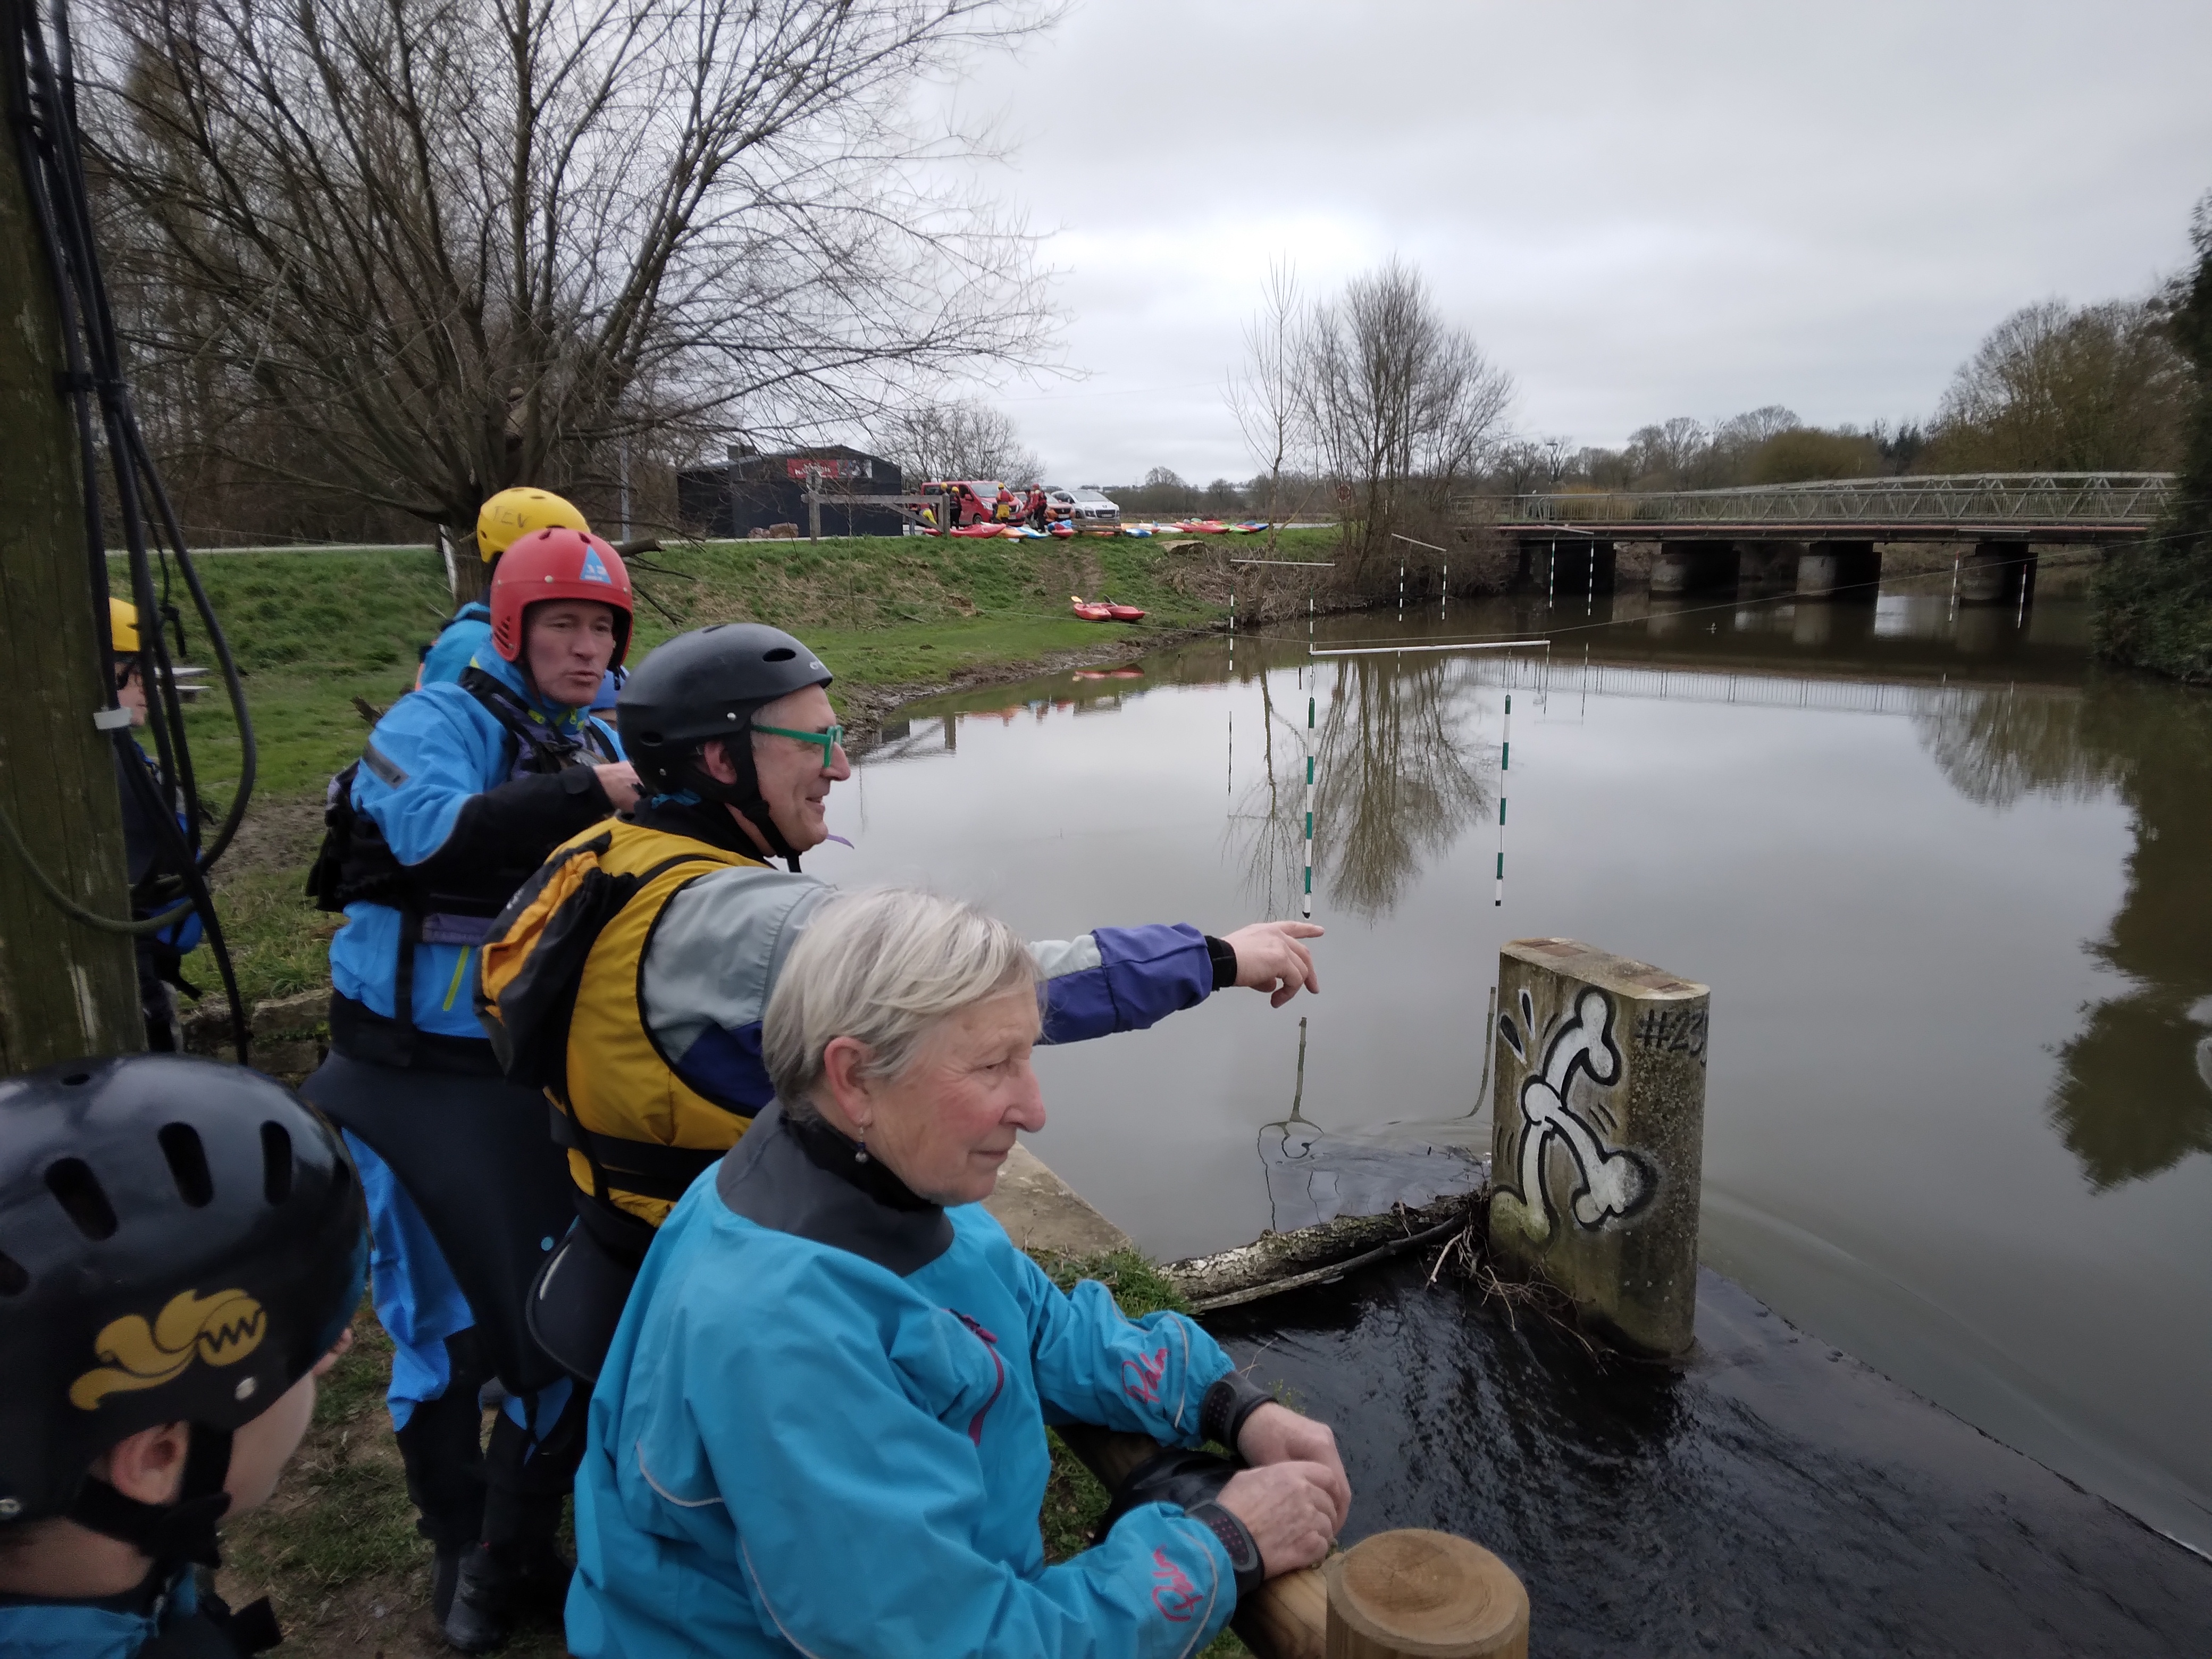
[(509, 516), (123, 627)]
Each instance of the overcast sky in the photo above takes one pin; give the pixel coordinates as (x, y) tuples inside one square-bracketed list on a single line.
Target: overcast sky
[(1640, 210)]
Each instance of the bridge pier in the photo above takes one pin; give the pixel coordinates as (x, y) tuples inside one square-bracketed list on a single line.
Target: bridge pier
[(1690, 567), (1764, 563), (1571, 565), (1839, 570), (1997, 573)]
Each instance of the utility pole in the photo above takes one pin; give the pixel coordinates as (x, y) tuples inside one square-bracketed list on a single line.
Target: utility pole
[(66, 989)]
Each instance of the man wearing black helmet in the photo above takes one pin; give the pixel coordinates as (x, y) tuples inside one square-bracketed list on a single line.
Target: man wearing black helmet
[(182, 1247), (629, 975)]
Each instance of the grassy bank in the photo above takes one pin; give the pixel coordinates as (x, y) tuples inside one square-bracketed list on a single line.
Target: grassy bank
[(320, 637), (336, 1554)]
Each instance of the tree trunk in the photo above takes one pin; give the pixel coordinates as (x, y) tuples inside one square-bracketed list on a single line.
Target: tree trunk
[(471, 576), (66, 989)]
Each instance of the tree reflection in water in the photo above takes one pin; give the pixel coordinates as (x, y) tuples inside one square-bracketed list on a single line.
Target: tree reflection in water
[(2133, 1097), (1403, 770)]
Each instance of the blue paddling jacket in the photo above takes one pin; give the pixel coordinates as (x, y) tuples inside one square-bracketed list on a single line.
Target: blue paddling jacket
[(469, 785), (821, 1430), (117, 1627)]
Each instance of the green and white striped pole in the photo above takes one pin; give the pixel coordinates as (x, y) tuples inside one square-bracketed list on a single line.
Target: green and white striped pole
[(1305, 906), (1504, 760)]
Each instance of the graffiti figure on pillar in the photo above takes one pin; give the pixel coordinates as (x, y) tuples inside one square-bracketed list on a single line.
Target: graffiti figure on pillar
[(1610, 1184)]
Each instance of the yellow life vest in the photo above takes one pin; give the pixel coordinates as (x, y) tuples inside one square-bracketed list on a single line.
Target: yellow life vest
[(636, 1132)]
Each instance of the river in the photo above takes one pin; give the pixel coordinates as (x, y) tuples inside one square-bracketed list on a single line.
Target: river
[(1945, 879)]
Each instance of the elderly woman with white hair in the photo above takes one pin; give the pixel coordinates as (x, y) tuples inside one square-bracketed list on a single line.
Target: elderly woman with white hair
[(821, 1428)]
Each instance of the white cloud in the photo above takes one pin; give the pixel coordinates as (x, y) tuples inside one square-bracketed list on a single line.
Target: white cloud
[(1641, 210)]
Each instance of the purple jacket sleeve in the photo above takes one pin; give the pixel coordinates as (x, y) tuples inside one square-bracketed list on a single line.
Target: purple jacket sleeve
[(1122, 979)]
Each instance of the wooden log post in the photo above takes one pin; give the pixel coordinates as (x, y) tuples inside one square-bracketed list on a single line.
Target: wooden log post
[(1598, 1136), (66, 989), (1414, 1594)]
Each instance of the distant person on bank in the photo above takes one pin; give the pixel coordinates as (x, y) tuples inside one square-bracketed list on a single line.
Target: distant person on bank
[(821, 1429)]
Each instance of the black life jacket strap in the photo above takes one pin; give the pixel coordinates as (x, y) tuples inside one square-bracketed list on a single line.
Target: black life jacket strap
[(170, 1536), (402, 984), (646, 1168)]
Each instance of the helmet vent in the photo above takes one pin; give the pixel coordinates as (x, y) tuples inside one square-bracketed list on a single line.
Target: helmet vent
[(188, 1166), (781, 654), (276, 1162), (72, 1181), (14, 1281)]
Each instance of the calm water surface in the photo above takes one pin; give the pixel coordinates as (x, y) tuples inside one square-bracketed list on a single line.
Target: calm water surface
[(1945, 879)]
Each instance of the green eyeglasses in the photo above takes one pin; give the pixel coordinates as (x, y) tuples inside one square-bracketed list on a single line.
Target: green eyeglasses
[(828, 737)]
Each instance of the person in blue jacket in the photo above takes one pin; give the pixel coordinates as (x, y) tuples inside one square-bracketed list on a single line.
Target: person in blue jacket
[(821, 1428), (463, 788), (184, 1255), (506, 517)]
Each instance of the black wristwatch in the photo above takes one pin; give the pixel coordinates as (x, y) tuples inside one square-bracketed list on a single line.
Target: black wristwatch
[(1224, 956), (1243, 1553)]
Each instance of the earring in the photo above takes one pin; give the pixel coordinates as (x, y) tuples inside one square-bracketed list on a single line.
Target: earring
[(861, 1156)]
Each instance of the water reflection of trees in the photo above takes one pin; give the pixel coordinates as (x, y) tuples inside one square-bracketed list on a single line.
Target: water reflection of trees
[(1402, 770), (2129, 1100)]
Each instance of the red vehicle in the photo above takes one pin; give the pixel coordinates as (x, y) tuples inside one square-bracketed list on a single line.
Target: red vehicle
[(966, 501)]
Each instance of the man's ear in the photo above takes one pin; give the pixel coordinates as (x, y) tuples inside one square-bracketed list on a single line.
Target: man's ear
[(714, 757), (149, 1465)]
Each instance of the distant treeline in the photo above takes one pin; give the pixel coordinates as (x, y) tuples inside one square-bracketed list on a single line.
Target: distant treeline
[(2053, 388)]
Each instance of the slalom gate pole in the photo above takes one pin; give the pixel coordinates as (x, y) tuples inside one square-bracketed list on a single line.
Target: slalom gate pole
[(1306, 907), (1504, 760)]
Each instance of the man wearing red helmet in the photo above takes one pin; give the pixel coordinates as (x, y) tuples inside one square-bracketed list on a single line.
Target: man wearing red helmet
[(464, 789)]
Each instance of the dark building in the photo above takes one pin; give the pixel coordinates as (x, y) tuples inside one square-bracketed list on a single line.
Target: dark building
[(749, 492)]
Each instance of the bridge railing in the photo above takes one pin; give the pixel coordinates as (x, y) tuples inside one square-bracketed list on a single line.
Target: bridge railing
[(1981, 498)]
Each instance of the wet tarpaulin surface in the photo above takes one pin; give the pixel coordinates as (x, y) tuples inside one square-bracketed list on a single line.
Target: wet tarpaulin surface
[(1772, 1496)]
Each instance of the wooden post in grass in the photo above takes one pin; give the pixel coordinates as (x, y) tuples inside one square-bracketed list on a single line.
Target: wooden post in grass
[(1415, 1594), (66, 989)]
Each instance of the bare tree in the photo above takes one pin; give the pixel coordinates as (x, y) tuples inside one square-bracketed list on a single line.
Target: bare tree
[(1514, 467), (2070, 389), (447, 245), (1404, 407), (962, 439), (1666, 456), (1266, 395)]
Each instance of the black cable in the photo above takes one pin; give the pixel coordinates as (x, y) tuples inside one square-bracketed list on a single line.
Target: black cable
[(49, 152)]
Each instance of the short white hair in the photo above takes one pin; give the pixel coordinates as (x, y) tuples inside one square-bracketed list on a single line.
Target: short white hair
[(883, 968)]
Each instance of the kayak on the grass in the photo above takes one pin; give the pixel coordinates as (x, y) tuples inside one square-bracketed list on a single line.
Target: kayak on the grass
[(1104, 610)]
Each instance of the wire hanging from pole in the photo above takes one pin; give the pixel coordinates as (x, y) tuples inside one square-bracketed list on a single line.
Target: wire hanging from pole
[(49, 154)]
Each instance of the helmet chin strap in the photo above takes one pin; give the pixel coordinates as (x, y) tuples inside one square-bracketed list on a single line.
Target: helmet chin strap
[(743, 793), (172, 1534)]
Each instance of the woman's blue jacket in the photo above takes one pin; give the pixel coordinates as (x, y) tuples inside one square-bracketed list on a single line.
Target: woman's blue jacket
[(821, 1430)]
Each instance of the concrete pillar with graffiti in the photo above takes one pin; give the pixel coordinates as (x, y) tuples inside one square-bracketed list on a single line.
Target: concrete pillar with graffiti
[(1598, 1136)]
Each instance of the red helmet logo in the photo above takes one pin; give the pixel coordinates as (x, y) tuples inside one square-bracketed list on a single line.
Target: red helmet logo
[(557, 563)]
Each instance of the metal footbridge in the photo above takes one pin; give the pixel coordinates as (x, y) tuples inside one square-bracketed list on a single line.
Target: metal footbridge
[(2043, 507)]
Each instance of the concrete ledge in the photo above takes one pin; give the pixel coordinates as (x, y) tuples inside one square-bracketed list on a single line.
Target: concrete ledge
[(1041, 1212)]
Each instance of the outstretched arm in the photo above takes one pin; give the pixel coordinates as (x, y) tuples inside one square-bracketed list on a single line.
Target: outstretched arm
[(1125, 979)]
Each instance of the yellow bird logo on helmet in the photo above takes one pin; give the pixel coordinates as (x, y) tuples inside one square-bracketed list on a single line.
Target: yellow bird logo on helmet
[(220, 1329)]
